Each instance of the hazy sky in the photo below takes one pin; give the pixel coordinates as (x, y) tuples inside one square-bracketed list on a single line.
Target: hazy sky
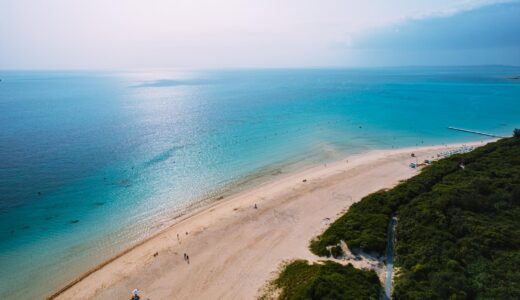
[(113, 34)]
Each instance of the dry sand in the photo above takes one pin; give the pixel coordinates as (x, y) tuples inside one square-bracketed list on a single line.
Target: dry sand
[(234, 249)]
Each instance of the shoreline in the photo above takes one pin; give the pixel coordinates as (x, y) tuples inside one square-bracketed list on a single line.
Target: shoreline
[(211, 198), (202, 214)]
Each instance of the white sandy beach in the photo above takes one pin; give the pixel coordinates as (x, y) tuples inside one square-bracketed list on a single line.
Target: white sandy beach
[(234, 249)]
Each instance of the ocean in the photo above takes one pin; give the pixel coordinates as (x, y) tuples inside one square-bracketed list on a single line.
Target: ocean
[(93, 162)]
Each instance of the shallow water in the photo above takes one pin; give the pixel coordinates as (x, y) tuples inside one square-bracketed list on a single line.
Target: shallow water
[(91, 162)]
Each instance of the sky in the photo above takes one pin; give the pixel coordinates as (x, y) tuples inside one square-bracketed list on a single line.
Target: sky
[(139, 34)]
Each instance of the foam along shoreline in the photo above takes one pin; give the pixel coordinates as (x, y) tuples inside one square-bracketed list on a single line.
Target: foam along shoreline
[(234, 248)]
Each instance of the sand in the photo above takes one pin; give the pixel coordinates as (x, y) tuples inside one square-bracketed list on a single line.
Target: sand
[(234, 249)]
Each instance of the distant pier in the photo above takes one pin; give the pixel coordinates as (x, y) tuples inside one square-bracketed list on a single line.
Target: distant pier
[(475, 132)]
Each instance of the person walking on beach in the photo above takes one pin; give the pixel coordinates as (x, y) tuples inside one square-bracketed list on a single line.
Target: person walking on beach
[(188, 259), (185, 256), (135, 295)]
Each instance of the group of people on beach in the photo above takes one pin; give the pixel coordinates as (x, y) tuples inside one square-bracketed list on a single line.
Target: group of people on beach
[(459, 150), (135, 292), (186, 256)]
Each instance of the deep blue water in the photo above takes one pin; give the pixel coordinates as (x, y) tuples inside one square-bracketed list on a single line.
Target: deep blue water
[(91, 162)]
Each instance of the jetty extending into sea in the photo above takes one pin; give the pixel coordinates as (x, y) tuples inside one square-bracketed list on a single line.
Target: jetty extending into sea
[(475, 132)]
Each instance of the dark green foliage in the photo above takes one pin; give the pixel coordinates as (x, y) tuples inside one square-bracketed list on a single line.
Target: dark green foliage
[(329, 280), (516, 133), (461, 239), (364, 226), (458, 234), (336, 251)]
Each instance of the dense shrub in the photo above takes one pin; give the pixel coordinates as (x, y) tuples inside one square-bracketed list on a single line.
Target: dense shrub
[(458, 234), (465, 232), (364, 227), (328, 280), (365, 224), (516, 133), (336, 251)]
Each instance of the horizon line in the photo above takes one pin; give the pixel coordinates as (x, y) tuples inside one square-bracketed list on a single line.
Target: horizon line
[(251, 68)]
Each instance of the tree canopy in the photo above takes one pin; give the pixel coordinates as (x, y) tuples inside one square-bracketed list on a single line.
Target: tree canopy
[(458, 234)]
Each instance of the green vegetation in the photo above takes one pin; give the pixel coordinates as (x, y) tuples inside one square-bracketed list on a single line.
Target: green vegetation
[(516, 133), (458, 234), (462, 238), (336, 251), (365, 224), (364, 227), (327, 280)]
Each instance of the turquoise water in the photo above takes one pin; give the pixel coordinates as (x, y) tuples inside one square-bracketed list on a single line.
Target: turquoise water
[(91, 162)]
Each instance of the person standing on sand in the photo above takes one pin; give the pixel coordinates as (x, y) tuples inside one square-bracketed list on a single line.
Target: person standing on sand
[(135, 295), (185, 256), (188, 259)]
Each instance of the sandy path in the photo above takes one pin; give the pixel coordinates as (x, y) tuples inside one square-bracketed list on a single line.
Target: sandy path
[(235, 249)]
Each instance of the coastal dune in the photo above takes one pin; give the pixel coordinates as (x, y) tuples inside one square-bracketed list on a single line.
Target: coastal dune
[(235, 248)]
